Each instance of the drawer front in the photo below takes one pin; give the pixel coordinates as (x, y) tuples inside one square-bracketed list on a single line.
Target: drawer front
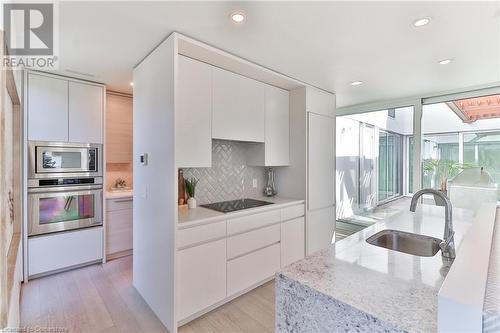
[(248, 270), (292, 212), (119, 228), (254, 221), (119, 204), (252, 240), (65, 249), (200, 234)]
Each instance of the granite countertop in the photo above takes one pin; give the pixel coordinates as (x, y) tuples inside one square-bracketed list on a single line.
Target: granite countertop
[(119, 194), (387, 286), (200, 215)]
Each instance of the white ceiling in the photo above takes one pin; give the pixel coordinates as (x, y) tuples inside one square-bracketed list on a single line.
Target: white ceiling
[(327, 44)]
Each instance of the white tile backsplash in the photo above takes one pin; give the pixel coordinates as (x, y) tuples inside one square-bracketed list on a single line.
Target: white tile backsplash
[(229, 177)]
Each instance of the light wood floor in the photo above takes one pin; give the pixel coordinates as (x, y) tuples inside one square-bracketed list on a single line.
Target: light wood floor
[(101, 298)]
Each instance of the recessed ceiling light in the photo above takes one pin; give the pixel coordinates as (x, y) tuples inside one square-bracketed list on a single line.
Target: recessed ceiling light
[(445, 61), (356, 83), (132, 84), (421, 21), (238, 17)]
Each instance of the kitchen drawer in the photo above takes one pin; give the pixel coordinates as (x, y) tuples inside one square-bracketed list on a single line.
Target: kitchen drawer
[(252, 240), (292, 212), (200, 234), (254, 221), (119, 204), (248, 270), (119, 226), (65, 249)]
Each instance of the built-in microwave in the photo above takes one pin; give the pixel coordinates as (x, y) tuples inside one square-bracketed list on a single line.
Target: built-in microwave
[(61, 159)]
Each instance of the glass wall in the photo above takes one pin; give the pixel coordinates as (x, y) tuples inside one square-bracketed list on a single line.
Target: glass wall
[(389, 165)]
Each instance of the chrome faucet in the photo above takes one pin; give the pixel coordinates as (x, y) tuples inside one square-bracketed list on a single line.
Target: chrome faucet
[(447, 245)]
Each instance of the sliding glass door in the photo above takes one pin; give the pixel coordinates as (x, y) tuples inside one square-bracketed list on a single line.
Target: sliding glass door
[(389, 165)]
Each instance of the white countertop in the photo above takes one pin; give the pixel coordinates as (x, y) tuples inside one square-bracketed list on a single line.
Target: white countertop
[(191, 217), (119, 194), (394, 287)]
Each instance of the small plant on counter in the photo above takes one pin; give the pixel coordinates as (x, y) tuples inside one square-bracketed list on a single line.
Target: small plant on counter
[(120, 183), (190, 189)]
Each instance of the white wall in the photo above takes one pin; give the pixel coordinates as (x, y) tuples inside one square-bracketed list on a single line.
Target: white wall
[(155, 198)]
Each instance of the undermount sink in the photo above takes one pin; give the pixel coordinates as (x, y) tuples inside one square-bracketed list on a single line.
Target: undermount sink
[(415, 244)]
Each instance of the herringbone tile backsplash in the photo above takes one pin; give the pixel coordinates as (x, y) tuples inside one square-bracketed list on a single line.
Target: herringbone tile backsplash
[(229, 177)]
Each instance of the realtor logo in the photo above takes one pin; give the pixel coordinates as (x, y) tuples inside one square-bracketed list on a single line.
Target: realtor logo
[(29, 28)]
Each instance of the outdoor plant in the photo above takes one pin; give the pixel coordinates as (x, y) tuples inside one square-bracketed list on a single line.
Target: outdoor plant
[(445, 169), (191, 186)]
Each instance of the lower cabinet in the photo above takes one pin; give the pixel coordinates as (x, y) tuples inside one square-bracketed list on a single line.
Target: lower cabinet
[(119, 227), (292, 241), (244, 272), (320, 229), (202, 277)]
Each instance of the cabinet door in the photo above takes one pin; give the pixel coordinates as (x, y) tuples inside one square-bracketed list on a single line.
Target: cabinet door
[(321, 189), (47, 108), (202, 277), (193, 116), (293, 241), (85, 113), (320, 229), (238, 107), (119, 129), (320, 102), (119, 226), (277, 138)]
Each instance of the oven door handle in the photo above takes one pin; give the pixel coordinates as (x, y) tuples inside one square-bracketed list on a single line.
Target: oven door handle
[(64, 189)]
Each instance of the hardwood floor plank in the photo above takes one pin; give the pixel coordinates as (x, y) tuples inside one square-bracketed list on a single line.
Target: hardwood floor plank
[(30, 304), (97, 312), (121, 315)]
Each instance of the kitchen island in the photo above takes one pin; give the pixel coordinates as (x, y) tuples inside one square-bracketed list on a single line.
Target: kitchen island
[(356, 286)]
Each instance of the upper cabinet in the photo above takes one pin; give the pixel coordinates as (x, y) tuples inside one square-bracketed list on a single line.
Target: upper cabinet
[(119, 129), (320, 102), (276, 148), (238, 111), (47, 108), (85, 113), (193, 118), (63, 110)]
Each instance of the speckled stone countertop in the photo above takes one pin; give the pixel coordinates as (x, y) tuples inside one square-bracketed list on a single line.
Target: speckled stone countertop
[(200, 215), (356, 286)]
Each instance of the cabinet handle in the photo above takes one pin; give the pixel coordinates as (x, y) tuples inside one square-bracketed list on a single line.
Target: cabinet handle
[(122, 200)]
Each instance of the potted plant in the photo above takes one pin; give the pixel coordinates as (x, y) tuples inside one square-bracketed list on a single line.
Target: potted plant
[(190, 190), (444, 169)]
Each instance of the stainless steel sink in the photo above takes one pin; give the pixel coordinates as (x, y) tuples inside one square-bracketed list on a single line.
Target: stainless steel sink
[(415, 244)]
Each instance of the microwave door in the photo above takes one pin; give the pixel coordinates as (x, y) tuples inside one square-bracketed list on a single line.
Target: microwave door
[(61, 160)]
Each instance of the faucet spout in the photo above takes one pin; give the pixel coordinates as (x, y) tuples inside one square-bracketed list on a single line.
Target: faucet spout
[(447, 245)]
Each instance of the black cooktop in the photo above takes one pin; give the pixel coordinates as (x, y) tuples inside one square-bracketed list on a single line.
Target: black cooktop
[(233, 205)]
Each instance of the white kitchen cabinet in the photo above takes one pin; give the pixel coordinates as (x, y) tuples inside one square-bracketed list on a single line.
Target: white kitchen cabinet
[(193, 114), (119, 227), (238, 111), (47, 108), (85, 112), (321, 171), (248, 270), (320, 102), (292, 241), (276, 148), (320, 229), (47, 253), (201, 277)]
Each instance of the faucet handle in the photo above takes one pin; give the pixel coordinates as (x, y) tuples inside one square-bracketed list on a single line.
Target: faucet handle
[(445, 243)]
